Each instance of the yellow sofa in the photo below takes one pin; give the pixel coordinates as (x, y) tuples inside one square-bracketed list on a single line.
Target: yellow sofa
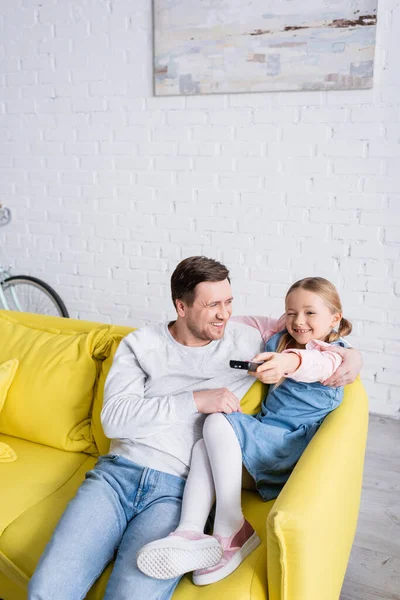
[(51, 419)]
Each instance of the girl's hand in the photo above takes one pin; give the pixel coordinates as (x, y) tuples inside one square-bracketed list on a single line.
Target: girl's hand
[(276, 366)]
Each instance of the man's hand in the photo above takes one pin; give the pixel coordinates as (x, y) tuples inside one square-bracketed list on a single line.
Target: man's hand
[(219, 400), (348, 370), (276, 366)]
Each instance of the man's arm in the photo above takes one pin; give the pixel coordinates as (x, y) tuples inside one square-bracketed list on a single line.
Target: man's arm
[(348, 370), (126, 412)]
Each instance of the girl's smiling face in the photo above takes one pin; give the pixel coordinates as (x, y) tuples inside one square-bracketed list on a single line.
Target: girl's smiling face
[(308, 317)]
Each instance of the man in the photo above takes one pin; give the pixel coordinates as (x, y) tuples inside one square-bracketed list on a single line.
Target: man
[(164, 379)]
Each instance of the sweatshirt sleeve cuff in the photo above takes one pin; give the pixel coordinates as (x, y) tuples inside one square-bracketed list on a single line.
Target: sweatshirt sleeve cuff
[(185, 405)]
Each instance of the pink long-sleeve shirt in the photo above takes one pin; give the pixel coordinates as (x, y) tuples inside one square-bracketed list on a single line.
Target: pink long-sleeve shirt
[(315, 365)]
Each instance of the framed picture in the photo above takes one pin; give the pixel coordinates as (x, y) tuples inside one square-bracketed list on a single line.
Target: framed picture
[(228, 46)]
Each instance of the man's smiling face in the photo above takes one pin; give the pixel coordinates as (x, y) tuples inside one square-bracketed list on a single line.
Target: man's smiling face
[(211, 310)]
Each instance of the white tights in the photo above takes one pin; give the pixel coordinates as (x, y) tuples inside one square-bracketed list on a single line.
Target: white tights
[(216, 470)]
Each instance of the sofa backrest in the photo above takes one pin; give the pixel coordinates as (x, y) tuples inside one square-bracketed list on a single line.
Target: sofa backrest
[(57, 394)]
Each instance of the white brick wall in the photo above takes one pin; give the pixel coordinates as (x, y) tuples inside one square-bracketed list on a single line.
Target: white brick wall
[(110, 187)]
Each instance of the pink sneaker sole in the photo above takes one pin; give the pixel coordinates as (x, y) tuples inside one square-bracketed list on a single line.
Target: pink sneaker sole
[(173, 556), (213, 576)]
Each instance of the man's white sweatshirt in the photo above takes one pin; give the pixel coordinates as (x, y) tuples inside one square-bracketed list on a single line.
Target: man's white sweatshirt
[(149, 411)]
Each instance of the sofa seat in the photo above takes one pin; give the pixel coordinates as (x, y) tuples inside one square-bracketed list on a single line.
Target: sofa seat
[(39, 485), (43, 480)]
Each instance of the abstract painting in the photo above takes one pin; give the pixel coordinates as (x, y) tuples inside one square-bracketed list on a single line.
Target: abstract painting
[(228, 46)]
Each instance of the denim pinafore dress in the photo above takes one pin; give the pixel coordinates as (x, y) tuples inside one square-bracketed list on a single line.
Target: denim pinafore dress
[(273, 440)]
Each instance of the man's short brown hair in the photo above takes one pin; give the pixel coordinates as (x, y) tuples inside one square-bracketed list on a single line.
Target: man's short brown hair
[(192, 271)]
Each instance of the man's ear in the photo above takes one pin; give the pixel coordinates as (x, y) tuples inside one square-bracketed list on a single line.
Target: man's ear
[(180, 308)]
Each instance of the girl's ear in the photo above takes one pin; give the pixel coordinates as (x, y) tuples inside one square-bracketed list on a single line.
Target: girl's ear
[(336, 318)]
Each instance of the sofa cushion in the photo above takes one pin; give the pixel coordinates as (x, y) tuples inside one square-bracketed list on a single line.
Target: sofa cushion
[(39, 485), (52, 393)]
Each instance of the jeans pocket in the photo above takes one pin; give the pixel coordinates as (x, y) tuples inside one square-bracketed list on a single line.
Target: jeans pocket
[(107, 458)]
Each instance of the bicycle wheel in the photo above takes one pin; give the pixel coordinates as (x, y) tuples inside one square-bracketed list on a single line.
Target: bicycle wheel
[(29, 294)]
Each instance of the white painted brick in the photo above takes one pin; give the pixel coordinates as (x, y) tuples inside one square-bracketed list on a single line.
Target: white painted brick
[(289, 150), (384, 149), (172, 163), (132, 163), (19, 78), (80, 148), (162, 179), (382, 185), (238, 117), (201, 181), (367, 201), (170, 134), (371, 114), (27, 105), (385, 217), (174, 222), (136, 133), (206, 102), (393, 316), (373, 250), (257, 133), (358, 131), (306, 230), (348, 148), (245, 183), (197, 149), (204, 224), (359, 165), (374, 267), (218, 164), (310, 199), (112, 178), (299, 99), (118, 148), (392, 234), (285, 114), (158, 149), (189, 237), (322, 114), (299, 132), (354, 232), (186, 117), (322, 215), (313, 247), (211, 133), (165, 102), (259, 166), (300, 165), (389, 376), (337, 184), (94, 134)]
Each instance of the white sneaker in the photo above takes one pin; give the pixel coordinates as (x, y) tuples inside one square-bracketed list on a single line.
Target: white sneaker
[(178, 553)]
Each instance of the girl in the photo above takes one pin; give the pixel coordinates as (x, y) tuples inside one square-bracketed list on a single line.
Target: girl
[(269, 443)]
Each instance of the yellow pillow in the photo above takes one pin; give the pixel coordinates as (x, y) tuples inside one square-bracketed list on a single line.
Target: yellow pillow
[(7, 372), (51, 399)]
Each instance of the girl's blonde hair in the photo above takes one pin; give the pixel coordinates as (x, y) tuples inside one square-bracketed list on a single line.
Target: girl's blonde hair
[(327, 291)]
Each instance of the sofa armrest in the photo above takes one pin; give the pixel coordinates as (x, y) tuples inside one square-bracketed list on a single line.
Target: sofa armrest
[(311, 527)]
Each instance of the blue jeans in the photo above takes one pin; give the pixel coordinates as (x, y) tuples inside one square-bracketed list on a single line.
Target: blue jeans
[(118, 508)]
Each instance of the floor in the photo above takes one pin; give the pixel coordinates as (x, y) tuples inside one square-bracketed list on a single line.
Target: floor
[(374, 568)]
